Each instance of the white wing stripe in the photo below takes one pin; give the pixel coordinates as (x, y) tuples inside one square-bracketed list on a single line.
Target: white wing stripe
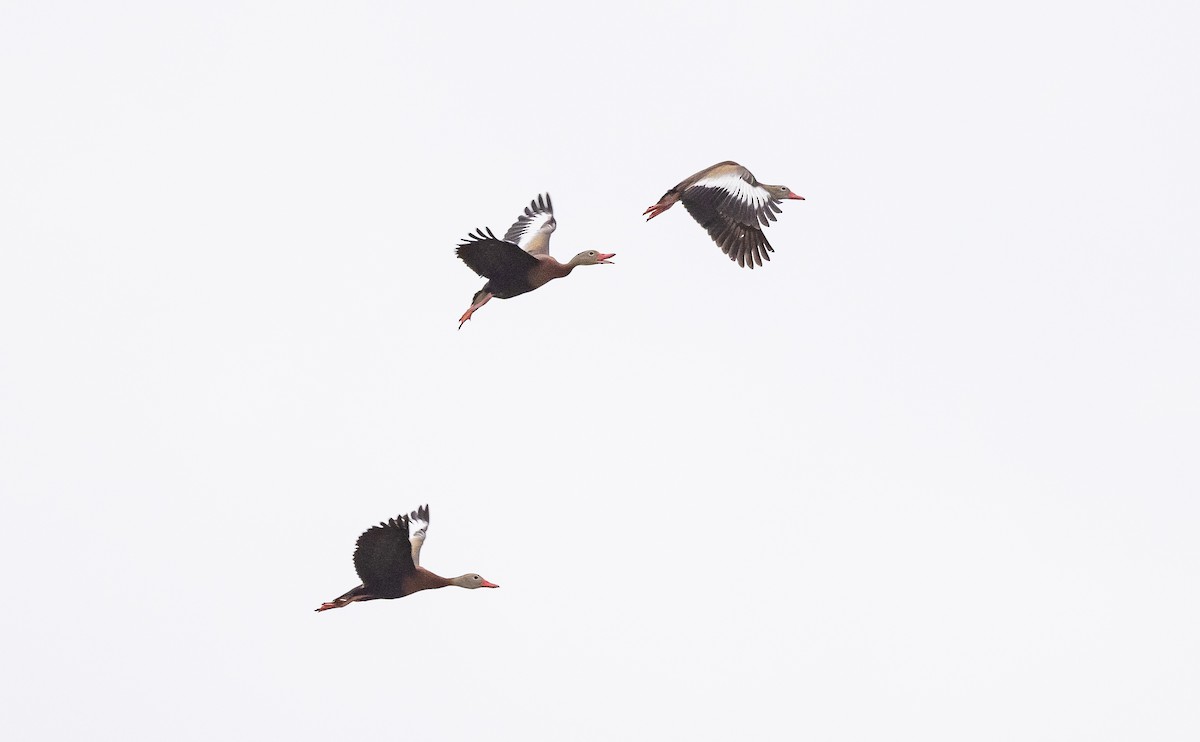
[(538, 220), (417, 527), (738, 188)]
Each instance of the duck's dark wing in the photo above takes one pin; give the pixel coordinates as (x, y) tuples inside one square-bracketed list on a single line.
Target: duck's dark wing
[(494, 258), (383, 557), (732, 206)]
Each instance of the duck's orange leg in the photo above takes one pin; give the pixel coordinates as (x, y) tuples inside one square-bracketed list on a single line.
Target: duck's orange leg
[(655, 210), (341, 602), (667, 201), (471, 310)]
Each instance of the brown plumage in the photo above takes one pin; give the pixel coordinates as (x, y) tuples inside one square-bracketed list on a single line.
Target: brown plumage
[(388, 558), (732, 206)]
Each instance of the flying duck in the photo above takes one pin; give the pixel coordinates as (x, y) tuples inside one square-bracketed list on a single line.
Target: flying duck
[(388, 558), (521, 261), (733, 206)]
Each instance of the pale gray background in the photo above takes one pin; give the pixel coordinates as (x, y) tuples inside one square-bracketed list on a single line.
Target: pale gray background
[(929, 475)]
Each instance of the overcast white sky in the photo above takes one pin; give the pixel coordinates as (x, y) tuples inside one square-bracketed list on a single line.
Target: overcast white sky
[(931, 474)]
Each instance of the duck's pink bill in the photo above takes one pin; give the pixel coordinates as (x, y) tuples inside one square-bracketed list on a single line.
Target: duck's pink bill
[(485, 583)]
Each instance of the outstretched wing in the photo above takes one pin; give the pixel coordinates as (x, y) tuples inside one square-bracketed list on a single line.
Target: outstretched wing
[(384, 556), (494, 258), (531, 232), (733, 208), (418, 524)]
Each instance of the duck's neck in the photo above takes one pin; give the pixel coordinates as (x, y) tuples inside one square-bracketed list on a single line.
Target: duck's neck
[(423, 579), (462, 581), (553, 269)]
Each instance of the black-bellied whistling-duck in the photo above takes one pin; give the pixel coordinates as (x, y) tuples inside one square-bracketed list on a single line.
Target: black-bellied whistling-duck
[(521, 261), (388, 560), (731, 204)]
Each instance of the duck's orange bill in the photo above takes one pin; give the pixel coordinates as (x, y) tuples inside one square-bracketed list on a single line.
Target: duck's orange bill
[(605, 256), (485, 583)]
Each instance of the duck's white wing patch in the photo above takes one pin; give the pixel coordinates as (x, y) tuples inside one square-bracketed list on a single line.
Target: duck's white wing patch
[(744, 201), (418, 524), (532, 230)]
